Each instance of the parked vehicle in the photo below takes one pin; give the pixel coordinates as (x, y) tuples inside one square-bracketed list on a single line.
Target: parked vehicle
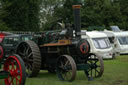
[(99, 43), (11, 42), (60, 52), (120, 41), (13, 71), (113, 40), (2, 35)]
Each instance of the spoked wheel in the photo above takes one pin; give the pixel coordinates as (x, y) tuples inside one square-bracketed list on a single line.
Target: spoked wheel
[(30, 53), (66, 68), (15, 66), (96, 66)]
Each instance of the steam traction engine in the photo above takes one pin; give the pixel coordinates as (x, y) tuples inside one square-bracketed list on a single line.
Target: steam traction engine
[(62, 52), (13, 71)]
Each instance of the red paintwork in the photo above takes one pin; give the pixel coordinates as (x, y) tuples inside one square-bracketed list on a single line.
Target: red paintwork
[(13, 66), (2, 35), (81, 48), (2, 52)]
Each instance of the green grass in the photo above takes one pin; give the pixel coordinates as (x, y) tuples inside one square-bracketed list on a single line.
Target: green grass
[(116, 73)]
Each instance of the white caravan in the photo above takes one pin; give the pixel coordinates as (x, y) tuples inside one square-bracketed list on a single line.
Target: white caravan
[(99, 43), (113, 40), (121, 41)]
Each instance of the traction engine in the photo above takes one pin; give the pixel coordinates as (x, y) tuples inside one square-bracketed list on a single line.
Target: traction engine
[(13, 71), (63, 52)]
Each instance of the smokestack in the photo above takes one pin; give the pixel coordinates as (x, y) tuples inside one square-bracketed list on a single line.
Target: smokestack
[(77, 20)]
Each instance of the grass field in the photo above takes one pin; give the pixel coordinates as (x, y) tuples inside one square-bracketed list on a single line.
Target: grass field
[(116, 73)]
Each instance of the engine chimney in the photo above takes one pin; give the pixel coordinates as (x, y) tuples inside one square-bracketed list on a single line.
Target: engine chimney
[(77, 19)]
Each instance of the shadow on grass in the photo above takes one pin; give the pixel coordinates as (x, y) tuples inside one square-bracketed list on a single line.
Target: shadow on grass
[(45, 74)]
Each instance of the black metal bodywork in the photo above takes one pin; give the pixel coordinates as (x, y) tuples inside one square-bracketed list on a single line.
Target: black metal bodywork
[(11, 42), (51, 53)]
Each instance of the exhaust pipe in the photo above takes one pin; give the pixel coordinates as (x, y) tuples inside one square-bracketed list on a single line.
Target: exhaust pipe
[(77, 20)]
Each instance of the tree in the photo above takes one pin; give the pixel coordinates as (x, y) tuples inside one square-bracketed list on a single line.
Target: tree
[(3, 26), (95, 13), (92, 14), (124, 11), (47, 13), (23, 15), (33, 14)]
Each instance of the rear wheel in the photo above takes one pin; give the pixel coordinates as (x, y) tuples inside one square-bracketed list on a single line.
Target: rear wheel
[(15, 66), (66, 68), (30, 53)]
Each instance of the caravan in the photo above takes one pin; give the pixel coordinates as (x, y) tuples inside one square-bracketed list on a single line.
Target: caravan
[(120, 41), (99, 43), (113, 40)]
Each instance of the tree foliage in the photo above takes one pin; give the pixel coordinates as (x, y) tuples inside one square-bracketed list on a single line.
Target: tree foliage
[(98, 13), (22, 15), (47, 13), (3, 14), (35, 15)]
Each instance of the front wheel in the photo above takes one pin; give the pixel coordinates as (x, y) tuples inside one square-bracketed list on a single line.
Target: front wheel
[(96, 66), (15, 66)]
